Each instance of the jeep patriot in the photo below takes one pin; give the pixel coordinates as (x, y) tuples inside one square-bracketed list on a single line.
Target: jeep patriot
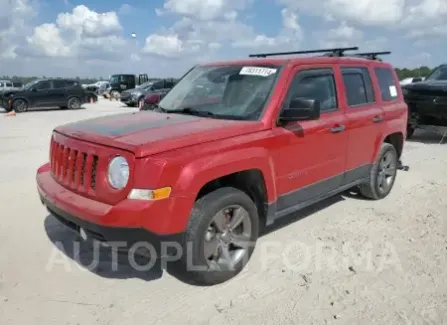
[(205, 173)]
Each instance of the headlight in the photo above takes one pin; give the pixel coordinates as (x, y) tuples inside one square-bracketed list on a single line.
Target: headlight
[(118, 172)]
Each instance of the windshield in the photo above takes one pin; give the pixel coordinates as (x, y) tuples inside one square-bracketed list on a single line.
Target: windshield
[(30, 84), (232, 91), (438, 74), (115, 79)]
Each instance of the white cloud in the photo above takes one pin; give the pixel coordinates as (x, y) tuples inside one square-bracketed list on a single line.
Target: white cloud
[(14, 14), (170, 45), (89, 23), (83, 33), (366, 12), (204, 9), (126, 9)]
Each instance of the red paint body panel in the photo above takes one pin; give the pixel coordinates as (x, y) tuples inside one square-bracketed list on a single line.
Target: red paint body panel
[(186, 154)]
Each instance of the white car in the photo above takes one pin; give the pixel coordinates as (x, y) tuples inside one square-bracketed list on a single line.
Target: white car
[(407, 81)]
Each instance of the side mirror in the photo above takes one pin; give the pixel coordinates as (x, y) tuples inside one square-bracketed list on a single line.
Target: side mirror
[(417, 79), (33, 90), (301, 109)]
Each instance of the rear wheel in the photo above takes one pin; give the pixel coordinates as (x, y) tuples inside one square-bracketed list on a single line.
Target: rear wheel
[(20, 105), (220, 238), (114, 94), (74, 103), (382, 175)]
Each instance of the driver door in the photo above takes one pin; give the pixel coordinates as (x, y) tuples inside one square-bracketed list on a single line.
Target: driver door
[(312, 154), (40, 94)]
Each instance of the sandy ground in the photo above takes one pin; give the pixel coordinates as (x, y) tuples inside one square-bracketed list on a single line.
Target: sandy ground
[(346, 261)]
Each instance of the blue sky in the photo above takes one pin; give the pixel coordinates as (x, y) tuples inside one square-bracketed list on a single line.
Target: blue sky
[(92, 38)]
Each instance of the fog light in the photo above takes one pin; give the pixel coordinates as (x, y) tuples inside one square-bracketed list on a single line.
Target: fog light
[(150, 195)]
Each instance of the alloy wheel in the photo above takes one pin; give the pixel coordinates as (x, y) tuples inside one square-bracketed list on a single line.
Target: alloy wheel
[(227, 238)]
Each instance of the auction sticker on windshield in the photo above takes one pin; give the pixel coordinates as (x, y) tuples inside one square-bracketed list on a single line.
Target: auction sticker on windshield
[(257, 71)]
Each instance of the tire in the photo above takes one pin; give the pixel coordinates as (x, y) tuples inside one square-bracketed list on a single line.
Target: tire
[(199, 231), (20, 105), (140, 102), (385, 168), (114, 94), (410, 131), (74, 103)]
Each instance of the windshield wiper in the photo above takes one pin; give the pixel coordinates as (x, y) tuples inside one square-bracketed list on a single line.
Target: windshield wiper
[(193, 111)]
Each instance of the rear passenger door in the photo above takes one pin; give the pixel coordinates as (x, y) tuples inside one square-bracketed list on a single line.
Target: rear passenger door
[(365, 117), (59, 93), (312, 154)]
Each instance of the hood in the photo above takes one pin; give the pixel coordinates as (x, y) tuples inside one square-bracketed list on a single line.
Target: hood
[(435, 86), (146, 133)]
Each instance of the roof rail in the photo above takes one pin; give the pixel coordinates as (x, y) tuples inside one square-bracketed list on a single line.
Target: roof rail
[(333, 52), (372, 55)]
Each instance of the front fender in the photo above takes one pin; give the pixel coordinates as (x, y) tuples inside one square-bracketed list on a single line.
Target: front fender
[(196, 174)]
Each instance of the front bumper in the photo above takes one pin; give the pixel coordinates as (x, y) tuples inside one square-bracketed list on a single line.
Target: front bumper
[(128, 100), (129, 223)]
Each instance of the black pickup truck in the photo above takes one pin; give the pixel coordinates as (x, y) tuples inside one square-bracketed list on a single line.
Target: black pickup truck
[(427, 101)]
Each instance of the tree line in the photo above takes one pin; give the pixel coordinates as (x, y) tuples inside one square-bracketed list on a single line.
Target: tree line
[(422, 71)]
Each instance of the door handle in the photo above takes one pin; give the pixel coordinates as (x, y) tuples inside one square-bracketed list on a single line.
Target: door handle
[(338, 129), (377, 119)]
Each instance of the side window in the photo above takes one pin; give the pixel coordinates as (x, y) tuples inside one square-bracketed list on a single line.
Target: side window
[(9, 84), (43, 85), (58, 84), (70, 83), (314, 84), (358, 86), (159, 85), (387, 83)]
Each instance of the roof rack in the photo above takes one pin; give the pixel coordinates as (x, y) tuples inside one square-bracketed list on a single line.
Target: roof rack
[(372, 55), (331, 52)]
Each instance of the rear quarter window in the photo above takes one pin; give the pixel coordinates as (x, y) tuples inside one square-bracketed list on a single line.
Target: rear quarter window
[(387, 84)]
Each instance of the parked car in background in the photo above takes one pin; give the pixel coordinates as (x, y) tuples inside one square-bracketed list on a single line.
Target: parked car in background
[(427, 101), (97, 87), (122, 82), (152, 99), (407, 81), (9, 85), (63, 93), (135, 97)]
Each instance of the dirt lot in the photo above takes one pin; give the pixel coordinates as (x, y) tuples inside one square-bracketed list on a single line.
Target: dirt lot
[(347, 261)]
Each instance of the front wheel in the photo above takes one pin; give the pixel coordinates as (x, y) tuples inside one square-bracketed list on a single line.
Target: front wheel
[(220, 238), (383, 174)]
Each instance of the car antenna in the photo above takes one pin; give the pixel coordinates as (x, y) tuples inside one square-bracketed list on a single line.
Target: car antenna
[(373, 55), (336, 52)]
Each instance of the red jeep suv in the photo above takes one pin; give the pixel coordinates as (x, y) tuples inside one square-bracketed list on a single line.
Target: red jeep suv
[(197, 180)]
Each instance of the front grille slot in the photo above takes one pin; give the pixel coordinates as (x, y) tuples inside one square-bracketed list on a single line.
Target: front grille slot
[(73, 168)]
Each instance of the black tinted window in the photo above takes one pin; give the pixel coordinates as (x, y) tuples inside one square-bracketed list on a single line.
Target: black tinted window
[(57, 84), (388, 87), (159, 85), (358, 86), (43, 85), (318, 85), (71, 83)]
